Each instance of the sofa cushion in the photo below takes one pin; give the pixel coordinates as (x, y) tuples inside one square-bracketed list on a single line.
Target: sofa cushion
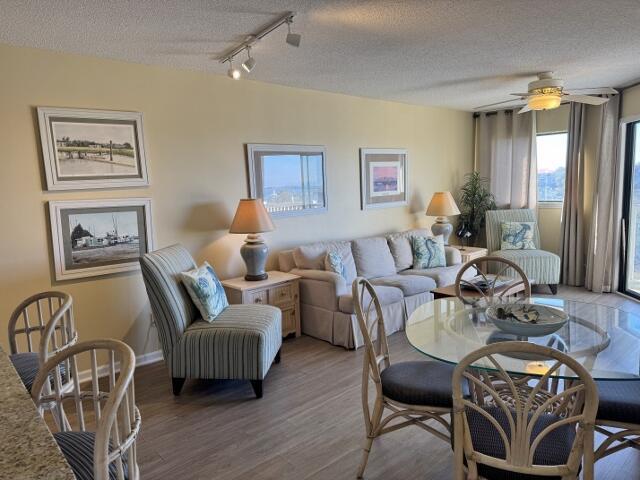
[(409, 284), (400, 250), (373, 257), (386, 296), (443, 276), (312, 257)]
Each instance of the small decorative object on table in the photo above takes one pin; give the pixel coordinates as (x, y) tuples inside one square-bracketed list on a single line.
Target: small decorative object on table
[(442, 205), (526, 319), (252, 218)]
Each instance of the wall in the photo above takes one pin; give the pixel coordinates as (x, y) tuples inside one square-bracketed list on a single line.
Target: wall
[(631, 102), (196, 126)]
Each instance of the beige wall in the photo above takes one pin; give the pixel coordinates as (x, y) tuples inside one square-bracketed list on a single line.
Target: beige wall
[(631, 102), (196, 126)]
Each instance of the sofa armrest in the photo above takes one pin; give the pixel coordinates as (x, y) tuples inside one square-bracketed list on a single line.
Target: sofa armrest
[(321, 288), (452, 256)]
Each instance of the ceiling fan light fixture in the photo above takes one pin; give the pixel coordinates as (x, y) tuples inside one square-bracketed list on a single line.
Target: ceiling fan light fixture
[(544, 101)]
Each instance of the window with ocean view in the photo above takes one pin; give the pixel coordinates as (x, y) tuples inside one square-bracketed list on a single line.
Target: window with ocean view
[(552, 161)]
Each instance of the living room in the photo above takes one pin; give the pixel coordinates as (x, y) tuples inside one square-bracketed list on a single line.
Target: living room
[(381, 106)]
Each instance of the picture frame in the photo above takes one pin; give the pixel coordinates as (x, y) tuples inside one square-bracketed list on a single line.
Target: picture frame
[(291, 179), (383, 177), (99, 237), (92, 149)]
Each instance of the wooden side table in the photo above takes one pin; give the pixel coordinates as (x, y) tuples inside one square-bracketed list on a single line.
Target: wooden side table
[(280, 290), (471, 253)]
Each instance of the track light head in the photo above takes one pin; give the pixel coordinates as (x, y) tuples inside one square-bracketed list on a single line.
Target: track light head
[(293, 39), (233, 72), (250, 62)]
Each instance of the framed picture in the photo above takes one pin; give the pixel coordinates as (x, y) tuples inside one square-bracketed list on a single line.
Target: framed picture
[(383, 177), (99, 237), (290, 179), (91, 149)]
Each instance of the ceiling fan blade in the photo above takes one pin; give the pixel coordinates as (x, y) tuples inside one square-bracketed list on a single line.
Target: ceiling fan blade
[(588, 99), (521, 94), (592, 91), (497, 103), (524, 109)]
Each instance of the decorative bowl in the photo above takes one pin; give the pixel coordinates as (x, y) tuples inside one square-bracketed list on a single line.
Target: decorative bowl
[(527, 319)]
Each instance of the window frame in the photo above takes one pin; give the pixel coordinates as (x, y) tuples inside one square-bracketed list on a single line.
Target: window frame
[(266, 149), (550, 204)]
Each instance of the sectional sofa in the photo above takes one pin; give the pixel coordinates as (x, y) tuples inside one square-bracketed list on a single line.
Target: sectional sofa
[(326, 302)]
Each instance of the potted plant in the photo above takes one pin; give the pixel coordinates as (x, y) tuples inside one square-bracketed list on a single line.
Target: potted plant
[(475, 200)]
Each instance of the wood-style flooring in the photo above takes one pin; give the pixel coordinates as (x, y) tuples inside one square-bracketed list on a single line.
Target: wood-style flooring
[(308, 426)]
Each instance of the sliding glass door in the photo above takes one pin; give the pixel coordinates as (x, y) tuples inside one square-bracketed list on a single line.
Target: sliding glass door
[(630, 271)]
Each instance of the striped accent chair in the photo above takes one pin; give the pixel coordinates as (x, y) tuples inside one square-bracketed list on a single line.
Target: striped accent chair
[(240, 344), (540, 266)]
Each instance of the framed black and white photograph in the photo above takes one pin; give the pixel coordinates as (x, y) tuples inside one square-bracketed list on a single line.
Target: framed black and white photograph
[(99, 237), (290, 179), (383, 177), (92, 149)]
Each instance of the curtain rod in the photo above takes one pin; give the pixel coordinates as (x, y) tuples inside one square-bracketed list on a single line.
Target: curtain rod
[(492, 112)]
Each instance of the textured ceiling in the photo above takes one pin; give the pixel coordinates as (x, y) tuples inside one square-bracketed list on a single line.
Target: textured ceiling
[(455, 53)]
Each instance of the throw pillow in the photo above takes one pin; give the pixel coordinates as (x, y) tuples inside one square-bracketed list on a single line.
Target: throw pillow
[(428, 252), (206, 291), (517, 236), (333, 263)]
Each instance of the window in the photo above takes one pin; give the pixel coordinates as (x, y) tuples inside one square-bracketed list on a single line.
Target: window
[(290, 179), (552, 161)]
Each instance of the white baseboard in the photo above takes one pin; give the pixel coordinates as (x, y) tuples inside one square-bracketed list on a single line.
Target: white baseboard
[(103, 370)]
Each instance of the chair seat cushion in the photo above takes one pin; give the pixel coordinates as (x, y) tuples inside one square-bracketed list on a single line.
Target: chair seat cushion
[(409, 284), (540, 266), (554, 449), (27, 365), (241, 344), (418, 383), (77, 448), (386, 296), (619, 401)]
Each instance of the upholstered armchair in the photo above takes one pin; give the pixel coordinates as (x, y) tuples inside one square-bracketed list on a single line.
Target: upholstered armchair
[(240, 344), (540, 266)]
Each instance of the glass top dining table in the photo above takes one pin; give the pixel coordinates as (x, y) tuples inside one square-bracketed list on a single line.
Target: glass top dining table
[(605, 340)]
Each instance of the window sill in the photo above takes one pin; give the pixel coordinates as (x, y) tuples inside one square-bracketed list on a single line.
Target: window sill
[(551, 205)]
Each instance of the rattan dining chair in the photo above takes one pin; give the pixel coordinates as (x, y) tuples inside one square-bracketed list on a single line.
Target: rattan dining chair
[(509, 428), (618, 417), (415, 392), (506, 280), (44, 325), (99, 439)]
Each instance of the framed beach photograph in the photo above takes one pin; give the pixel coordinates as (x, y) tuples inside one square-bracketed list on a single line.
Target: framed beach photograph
[(92, 149), (290, 179), (383, 177), (99, 237)]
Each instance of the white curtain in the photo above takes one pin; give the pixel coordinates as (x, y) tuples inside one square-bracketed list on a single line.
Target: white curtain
[(603, 257), (506, 155)]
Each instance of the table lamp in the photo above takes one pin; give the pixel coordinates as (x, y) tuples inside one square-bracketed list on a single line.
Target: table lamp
[(253, 219), (442, 205)]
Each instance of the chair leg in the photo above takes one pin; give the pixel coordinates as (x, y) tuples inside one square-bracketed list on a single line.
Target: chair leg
[(278, 357), (257, 387), (177, 385), (554, 288), (378, 409)]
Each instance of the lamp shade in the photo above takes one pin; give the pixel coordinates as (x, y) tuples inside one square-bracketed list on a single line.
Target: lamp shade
[(442, 205), (251, 217)]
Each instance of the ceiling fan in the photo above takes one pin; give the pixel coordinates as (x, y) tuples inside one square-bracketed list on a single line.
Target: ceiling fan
[(547, 93)]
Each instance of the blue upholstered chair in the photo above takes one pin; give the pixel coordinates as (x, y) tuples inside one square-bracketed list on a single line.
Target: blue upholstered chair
[(540, 266), (240, 344)]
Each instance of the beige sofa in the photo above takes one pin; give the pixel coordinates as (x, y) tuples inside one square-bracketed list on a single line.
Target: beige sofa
[(326, 302)]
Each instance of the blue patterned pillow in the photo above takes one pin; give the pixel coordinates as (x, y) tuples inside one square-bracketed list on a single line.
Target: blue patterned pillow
[(206, 291), (517, 236), (333, 263), (428, 252)]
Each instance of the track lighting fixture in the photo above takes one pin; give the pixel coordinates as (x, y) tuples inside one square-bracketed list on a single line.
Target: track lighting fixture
[(292, 39), (250, 62)]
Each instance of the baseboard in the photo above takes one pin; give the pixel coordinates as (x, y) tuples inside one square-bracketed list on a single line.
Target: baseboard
[(103, 370)]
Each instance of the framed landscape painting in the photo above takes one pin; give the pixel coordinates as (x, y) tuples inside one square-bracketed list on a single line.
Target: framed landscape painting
[(99, 237), (92, 149), (383, 177)]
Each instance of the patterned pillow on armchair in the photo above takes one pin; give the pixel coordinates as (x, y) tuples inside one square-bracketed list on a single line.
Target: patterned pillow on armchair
[(517, 236)]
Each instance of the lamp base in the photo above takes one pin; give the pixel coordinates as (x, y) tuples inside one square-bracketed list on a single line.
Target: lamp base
[(254, 253), (442, 227)]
